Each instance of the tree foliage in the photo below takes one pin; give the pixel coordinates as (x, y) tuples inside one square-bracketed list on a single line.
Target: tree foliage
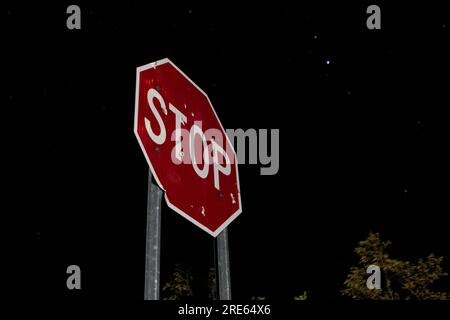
[(301, 297), (258, 298), (401, 280), (179, 285), (212, 284)]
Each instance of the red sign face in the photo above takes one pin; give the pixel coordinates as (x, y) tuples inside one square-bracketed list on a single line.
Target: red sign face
[(186, 147)]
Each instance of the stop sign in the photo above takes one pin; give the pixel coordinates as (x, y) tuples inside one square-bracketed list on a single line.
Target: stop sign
[(186, 147)]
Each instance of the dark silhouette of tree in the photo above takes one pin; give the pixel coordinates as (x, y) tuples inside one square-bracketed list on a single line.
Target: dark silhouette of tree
[(179, 285), (401, 280), (212, 284)]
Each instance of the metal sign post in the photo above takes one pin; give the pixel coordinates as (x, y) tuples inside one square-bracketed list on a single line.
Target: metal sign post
[(153, 241), (223, 266)]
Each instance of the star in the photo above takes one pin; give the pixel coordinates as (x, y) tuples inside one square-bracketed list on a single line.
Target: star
[(328, 62)]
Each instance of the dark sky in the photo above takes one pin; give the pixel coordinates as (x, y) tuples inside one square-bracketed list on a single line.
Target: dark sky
[(364, 141)]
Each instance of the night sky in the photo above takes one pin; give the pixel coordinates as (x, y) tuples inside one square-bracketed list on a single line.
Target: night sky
[(364, 137)]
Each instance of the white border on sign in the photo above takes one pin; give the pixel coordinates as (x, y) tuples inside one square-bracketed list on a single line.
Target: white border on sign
[(239, 210)]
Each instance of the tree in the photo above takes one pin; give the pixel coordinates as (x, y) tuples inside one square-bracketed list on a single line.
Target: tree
[(179, 285), (401, 280), (301, 297), (258, 298), (212, 284)]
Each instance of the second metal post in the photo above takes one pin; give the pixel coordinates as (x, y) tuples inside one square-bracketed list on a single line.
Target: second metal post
[(153, 241), (223, 266)]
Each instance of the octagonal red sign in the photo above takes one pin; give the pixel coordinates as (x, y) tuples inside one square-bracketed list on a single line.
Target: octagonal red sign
[(186, 147)]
